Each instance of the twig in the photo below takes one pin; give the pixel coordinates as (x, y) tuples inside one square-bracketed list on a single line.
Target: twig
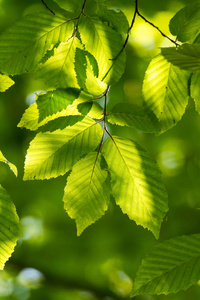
[(150, 23), (48, 7)]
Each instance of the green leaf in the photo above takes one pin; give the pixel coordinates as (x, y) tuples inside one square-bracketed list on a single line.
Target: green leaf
[(91, 108), (126, 114), (185, 57), (136, 182), (105, 45), (55, 101), (114, 19), (9, 227), (171, 266), (72, 6), (12, 166), (58, 71), (61, 123), (23, 45), (165, 90), (30, 118), (186, 23), (5, 82), (87, 191), (195, 90), (87, 73), (52, 154)]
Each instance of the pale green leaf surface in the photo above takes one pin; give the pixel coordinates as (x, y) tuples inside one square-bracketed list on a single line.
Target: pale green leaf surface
[(5, 83), (195, 90), (105, 45), (86, 68), (69, 5), (61, 123), (87, 191), (136, 182), (52, 154), (30, 118), (92, 109), (126, 114), (186, 23), (12, 166), (186, 57), (9, 227), (165, 91), (55, 101), (115, 19), (58, 71), (171, 266), (23, 45)]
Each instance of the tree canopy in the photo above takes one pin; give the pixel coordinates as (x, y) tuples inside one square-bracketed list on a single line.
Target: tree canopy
[(110, 96)]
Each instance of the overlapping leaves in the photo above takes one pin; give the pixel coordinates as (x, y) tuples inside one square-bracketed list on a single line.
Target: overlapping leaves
[(165, 90), (9, 221)]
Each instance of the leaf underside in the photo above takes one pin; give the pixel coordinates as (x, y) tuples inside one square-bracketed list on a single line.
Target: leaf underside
[(165, 91), (87, 191), (171, 266), (136, 182), (9, 227)]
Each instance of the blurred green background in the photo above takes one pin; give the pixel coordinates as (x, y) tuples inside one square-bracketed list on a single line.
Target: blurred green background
[(50, 261)]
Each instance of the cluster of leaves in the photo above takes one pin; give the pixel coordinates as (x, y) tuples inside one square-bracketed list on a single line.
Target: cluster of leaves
[(80, 55)]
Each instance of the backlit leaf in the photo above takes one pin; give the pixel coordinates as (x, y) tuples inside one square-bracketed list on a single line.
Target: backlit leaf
[(9, 227), (12, 166), (186, 23), (5, 82), (171, 266), (58, 71), (165, 91), (23, 45), (87, 191), (54, 153), (186, 57), (105, 45), (55, 101), (136, 182), (195, 90), (142, 118)]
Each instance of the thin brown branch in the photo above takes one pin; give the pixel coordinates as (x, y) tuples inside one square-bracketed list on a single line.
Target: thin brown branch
[(153, 25), (48, 7)]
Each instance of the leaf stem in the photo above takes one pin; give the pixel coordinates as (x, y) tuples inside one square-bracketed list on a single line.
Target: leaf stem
[(48, 7), (78, 18)]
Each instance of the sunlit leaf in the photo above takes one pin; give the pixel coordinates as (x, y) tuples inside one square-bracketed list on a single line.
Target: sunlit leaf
[(186, 57), (171, 266), (115, 19), (105, 45), (195, 90), (142, 118), (24, 44), (54, 153), (5, 82), (136, 182), (55, 101), (86, 68), (165, 90), (9, 227), (186, 23), (69, 5), (58, 71), (30, 118), (12, 166), (87, 192)]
